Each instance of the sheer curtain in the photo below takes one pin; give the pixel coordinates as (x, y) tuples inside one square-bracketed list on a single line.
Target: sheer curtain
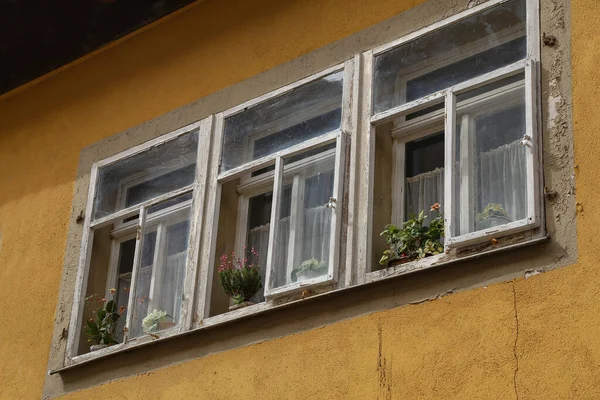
[(503, 179), (317, 229), (424, 190), (169, 297)]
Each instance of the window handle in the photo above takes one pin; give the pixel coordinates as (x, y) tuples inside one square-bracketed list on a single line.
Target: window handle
[(331, 203), (526, 141)]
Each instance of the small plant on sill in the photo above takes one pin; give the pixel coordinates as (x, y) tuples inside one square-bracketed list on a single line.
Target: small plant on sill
[(156, 321), (492, 215), (309, 269), (100, 327), (414, 240), (240, 279)]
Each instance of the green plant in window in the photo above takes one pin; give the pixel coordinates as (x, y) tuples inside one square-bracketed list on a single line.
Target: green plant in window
[(309, 269), (413, 239), (240, 279), (100, 327), (492, 210)]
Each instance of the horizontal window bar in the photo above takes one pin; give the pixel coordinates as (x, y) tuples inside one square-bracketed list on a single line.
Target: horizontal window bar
[(270, 159), (133, 210), (438, 97)]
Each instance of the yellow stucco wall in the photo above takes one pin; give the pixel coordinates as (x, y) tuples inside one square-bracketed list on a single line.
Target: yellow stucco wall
[(462, 346)]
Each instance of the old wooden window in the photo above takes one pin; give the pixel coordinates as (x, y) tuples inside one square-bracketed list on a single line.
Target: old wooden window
[(457, 104), (280, 180), (138, 231)]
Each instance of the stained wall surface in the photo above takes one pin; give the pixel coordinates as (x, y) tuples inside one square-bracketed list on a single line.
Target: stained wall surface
[(534, 338)]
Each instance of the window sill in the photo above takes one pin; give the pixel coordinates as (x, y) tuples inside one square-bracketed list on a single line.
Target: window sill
[(257, 309)]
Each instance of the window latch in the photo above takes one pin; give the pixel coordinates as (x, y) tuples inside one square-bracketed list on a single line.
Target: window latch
[(331, 203), (526, 141)]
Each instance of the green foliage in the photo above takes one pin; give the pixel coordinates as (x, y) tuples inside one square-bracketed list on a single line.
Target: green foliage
[(309, 265), (100, 327), (492, 210), (414, 239), (239, 279)]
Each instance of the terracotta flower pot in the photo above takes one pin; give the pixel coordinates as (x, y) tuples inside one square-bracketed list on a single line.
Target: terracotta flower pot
[(166, 325), (95, 347), (241, 305), (401, 260)]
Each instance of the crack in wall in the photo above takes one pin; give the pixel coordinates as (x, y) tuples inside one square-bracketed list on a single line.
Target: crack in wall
[(516, 341), (384, 370)]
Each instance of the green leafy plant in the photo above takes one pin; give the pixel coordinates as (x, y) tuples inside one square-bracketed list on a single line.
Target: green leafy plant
[(100, 327), (492, 210), (307, 266), (152, 321), (413, 239), (240, 279)]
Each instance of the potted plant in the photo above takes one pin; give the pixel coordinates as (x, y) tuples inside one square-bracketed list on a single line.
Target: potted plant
[(309, 269), (492, 215), (413, 240), (240, 279), (100, 327), (157, 320)]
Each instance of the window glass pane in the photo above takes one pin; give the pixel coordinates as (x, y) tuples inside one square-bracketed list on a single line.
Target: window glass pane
[(450, 55), (159, 285), (491, 177), (304, 113), (304, 231), (158, 170), (424, 175)]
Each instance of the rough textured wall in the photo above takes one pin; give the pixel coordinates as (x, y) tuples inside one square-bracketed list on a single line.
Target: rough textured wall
[(535, 338)]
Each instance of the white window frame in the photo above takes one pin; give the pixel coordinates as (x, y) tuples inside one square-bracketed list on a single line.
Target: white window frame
[(532, 139), (248, 189), (202, 129)]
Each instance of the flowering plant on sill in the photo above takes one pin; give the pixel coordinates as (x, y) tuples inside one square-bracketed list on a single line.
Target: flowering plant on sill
[(240, 279), (414, 240), (100, 327)]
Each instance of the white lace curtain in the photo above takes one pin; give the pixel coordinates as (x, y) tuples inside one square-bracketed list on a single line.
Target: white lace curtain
[(317, 229), (168, 294), (424, 190), (502, 180)]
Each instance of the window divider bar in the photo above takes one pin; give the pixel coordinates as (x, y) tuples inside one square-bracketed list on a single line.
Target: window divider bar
[(449, 154), (352, 130), (437, 97), (211, 225), (274, 223), (137, 260), (533, 145), (196, 217), (338, 204), (269, 160), (281, 91), (131, 211), (146, 145)]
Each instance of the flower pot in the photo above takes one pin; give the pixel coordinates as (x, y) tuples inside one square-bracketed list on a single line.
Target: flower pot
[(310, 274), (401, 260), (95, 347), (492, 221), (165, 325), (241, 305)]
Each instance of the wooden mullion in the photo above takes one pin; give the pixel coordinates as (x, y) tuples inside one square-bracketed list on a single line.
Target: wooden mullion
[(196, 218), (274, 224), (449, 165), (137, 260)]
